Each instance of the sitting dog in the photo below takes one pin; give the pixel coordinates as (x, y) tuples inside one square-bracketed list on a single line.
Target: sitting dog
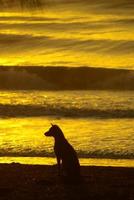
[(67, 160)]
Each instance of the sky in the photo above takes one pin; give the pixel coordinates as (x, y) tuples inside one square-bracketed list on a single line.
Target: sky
[(97, 33)]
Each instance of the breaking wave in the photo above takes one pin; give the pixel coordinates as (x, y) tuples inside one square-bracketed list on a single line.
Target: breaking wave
[(81, 154), (37, 110)]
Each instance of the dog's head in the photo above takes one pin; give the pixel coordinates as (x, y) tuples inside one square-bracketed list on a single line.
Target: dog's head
[(54, 131)]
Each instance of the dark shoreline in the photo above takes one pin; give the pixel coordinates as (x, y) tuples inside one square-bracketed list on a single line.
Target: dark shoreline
[(30, 182), (65, 78)]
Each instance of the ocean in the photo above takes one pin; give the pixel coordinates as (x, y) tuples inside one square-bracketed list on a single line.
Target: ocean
[(99, 124)]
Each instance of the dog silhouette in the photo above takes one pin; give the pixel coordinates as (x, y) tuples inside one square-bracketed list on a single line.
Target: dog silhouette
[(67, 160)]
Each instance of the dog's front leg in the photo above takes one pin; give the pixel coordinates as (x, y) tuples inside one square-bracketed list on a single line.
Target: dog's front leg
[(59, 165)]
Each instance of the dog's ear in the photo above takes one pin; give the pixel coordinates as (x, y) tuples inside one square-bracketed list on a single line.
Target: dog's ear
[(52, 124)]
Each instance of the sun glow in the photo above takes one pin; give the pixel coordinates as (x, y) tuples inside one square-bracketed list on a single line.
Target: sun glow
[(69, 37)]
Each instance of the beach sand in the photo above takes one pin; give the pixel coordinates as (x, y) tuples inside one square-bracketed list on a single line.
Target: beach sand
[(33, 182)]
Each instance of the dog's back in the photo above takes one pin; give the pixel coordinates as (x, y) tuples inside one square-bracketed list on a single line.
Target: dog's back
[(66, 152)]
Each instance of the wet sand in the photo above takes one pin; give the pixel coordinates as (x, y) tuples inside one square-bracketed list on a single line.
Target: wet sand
[(33, 182)]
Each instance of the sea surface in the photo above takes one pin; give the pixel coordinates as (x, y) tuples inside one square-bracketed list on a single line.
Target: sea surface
[(97, 33), (99, 124)]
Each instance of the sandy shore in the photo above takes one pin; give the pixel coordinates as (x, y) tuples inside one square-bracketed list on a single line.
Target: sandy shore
[(33, 182)]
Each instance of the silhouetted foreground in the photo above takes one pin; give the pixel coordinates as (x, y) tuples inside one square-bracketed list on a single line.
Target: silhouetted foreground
[(67, 159), (27, 182)]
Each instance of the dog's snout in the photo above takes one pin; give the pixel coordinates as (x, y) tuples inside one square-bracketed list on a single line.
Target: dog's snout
[(46, 133)]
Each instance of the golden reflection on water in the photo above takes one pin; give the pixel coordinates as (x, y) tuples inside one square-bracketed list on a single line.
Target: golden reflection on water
[(52, 161), (22, 139)]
